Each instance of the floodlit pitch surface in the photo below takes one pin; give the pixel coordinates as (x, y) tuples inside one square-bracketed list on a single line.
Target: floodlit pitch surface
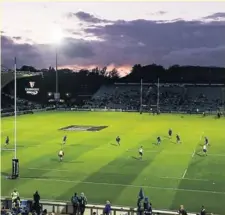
[(170, 174)]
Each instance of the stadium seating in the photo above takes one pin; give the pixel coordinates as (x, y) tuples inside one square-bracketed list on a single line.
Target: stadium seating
[(7, 77), (171, 97)]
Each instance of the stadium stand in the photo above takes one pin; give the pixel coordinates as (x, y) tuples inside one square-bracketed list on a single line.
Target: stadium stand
[(172, 97)]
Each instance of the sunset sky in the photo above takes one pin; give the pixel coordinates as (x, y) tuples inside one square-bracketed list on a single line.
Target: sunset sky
[(113, 34)]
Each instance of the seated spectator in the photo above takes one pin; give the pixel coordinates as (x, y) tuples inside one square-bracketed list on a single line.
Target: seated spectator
[(44, 212), (3, 211)]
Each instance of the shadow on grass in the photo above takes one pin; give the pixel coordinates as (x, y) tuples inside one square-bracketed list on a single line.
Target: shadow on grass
[(136, 158), (74, 144), (65, 161), (201, 154), (113, 144), (27, 146), (5, 174)]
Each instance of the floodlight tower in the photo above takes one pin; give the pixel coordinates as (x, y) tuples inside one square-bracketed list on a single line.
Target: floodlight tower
[(57, 37)]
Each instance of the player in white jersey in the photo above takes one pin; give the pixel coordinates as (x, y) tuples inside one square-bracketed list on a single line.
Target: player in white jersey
[(205, 149), (61, 154), (141, 152)]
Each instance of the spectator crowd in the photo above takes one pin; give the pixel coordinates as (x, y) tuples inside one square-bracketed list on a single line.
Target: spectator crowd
[(79, 203), (169, 98)]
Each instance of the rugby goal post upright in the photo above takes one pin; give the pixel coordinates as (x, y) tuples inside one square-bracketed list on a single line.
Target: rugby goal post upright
[(223, 100), (141, 97), (15, 160), (157, 104)]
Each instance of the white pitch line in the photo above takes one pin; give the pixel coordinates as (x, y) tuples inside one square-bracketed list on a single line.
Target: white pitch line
[(193, 154), (187, 179), (123, 185), (184, 173), (57, 170), (176, 153)]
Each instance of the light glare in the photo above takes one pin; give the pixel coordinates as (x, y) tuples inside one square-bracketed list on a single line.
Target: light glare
[(57, 35)]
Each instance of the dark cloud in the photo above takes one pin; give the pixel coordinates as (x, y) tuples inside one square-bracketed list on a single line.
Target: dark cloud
[(160, 39), (86, 17), (130, 42), (77, 48), (24, 52), (216, 16), (40, 55), (158, 13), (17, 38)]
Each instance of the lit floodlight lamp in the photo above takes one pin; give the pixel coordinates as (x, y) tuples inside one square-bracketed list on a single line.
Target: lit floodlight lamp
[(57, 35)]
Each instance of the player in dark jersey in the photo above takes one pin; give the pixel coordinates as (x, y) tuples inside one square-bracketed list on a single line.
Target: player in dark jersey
[(158, 140), (7, 141), (170, 132), (118, 140), (64, 139), (178, 138)]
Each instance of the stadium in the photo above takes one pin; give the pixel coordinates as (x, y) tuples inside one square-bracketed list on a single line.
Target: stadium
[(92, 108)]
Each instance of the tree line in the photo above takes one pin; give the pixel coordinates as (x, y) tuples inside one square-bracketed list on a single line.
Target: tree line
[(149, 73)]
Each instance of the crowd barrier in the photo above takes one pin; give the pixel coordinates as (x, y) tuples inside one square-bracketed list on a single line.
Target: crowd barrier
[(67, 208), (100, 110)]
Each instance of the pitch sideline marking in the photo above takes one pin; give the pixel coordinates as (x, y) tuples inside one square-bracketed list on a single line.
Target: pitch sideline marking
[(193, 154), (124, 185), (187, 179), (185, 171)]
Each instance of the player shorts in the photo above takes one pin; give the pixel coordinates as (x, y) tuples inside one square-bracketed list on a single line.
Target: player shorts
[(60, 156), (204, 150), (140, 153)]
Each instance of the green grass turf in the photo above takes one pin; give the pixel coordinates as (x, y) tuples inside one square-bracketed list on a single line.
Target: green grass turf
[(106, 172)]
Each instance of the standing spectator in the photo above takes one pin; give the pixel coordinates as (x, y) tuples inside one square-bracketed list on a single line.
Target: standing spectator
[(15, 195), (203, 211), (36, 204), (139, 206), (36, 197), (147, 206), (182, 211), (82, 203), (107, 208), (75, 203)]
